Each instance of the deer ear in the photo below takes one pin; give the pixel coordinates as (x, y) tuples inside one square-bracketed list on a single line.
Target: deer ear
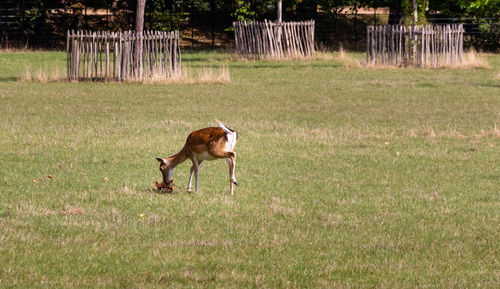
[(160, 160)]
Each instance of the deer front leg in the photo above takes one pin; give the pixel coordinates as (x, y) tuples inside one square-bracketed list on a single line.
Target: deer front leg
[(189, 188)]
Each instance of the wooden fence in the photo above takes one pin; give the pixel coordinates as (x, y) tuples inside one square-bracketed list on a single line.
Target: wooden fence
[(424, 46), (102, 56), (274, 40)]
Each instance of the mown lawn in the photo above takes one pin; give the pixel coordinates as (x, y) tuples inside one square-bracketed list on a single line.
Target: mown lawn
[(381, 178)]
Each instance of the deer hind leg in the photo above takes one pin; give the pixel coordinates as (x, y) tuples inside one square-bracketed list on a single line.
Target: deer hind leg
[(189, 188), (231, 163)]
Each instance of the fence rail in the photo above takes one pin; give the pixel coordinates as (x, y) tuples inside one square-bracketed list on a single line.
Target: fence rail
[(267, 39), (112, 55), (428, 45)]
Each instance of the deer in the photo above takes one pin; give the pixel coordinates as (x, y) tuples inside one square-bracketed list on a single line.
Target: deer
[(206, 144)]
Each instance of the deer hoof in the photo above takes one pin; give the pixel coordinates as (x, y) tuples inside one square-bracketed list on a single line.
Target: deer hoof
[(235, 182)]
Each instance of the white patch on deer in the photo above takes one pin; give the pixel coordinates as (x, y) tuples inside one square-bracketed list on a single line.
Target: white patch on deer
[(231, 141)]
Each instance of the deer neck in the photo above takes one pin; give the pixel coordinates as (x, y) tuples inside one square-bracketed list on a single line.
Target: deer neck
[(173, 161)]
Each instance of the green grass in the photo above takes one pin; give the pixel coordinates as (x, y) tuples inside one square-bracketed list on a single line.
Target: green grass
[(348, 178)]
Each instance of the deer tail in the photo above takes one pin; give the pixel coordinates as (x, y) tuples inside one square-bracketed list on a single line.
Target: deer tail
[(224, 128)]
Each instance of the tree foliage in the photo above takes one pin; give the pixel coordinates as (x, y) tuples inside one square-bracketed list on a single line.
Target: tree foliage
[(254, 9), (481, 8), (466, 8), (422, 8), (243, 11)]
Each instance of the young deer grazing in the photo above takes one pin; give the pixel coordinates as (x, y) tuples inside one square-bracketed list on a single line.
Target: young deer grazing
[(206, 144)]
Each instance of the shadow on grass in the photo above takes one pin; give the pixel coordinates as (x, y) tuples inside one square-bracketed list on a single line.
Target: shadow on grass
[(264, 65), (489, 85), (200, 59), (9, 79)]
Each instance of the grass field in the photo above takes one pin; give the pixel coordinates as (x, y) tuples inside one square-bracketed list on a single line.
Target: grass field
[(381, 178)]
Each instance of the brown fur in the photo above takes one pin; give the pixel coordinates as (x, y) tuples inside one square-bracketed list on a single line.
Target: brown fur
[(204, 139)]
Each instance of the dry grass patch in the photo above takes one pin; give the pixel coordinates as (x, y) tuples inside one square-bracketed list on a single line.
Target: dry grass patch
[(42, 75), (347, 135), (324, 55), (429, 132), (7, 50), (487, 133), (178, 243), (213, 76), (471, 59), (330, 219), (392, 83), (347, 61), (329, 136), (219, 75), (371, 65), (34, 211), (272, 58), (204, 76), (283, 207), (72, 211)]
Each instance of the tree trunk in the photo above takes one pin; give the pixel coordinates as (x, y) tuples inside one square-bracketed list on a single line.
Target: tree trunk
[(355, 23), (139, 16), (279, 10), (415, 11), (139, 27), (212, 13)]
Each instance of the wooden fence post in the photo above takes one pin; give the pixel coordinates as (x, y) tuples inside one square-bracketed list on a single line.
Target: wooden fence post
[(101, 56), (414, 45), (274, 40)]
